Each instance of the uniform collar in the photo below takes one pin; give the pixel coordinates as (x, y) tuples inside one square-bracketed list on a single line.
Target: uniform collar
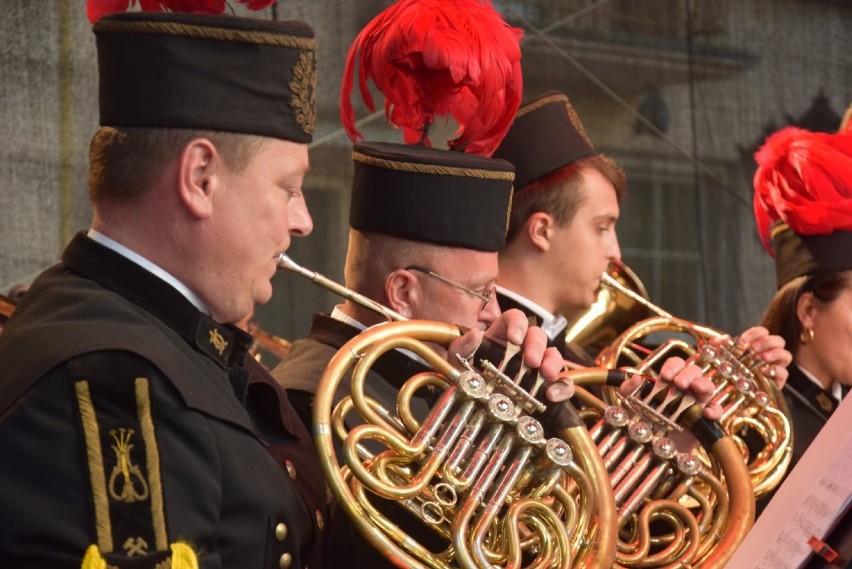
[(552, 324), (149, 266), (810, 393), (835, 390), (225, 344)]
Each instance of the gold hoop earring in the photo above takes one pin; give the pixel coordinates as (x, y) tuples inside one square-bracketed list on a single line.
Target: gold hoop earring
[(807, 335)]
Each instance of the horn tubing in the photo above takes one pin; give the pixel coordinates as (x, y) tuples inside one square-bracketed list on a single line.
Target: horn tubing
[(613, 283), (286, 263)]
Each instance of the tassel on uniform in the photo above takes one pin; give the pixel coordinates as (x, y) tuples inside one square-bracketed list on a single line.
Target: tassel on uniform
[(93, 559), (183, 557)]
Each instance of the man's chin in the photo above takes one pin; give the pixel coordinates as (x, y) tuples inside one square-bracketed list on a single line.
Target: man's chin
[(265, 295)]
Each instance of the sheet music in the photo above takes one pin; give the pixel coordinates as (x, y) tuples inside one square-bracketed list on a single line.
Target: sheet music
[(807, 503)]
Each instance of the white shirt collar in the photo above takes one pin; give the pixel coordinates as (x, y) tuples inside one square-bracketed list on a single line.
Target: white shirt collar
[(340, 316), (551, 324), (148, 266), (835, 389)]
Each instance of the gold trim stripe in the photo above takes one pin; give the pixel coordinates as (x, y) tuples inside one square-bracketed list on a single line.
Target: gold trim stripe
[(573, 117), (206, 32), (537, 104), (433, 169), (97, 477), (152, 456), (779, 228)]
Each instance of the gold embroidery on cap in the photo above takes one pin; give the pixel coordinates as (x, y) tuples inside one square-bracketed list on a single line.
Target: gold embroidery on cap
[(121, 480), (431, 169), (303, 87), (219, 343)]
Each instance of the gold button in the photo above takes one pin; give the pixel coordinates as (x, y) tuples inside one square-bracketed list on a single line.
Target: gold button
[(320, 521), (285, 561), (281, 532), (291, 470)]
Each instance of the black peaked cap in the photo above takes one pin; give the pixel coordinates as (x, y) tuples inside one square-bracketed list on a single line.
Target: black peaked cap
[(545, 136), (430, 195), (208, 72)]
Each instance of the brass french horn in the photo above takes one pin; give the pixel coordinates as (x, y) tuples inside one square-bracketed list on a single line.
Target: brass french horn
[(674, 509), (754, 411), (478, 472), (263, 340), (7, 307)]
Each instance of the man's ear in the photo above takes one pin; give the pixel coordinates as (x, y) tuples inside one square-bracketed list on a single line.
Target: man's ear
[(403, 291), (198, 176), (539, 229)]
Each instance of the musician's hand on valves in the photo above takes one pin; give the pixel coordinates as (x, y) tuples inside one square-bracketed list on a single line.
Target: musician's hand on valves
[(512, 328), (686, 377), (771, 351)]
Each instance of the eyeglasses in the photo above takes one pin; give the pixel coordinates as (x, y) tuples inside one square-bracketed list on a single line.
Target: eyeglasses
[(485, 296)]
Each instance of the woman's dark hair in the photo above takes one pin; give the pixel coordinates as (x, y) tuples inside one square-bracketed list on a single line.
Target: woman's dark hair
[(780, 317)]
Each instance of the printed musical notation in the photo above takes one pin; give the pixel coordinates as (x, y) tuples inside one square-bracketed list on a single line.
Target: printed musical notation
[(815, 494)]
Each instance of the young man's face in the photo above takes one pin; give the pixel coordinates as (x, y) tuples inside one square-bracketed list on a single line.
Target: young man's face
[(585, 246)]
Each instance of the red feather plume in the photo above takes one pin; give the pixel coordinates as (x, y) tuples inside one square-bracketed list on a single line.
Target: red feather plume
[(96, 9), (805, 180), (434, 58)]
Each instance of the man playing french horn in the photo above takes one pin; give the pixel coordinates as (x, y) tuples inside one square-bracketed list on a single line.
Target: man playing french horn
[(560, 243), (561, 236), (419, 271)]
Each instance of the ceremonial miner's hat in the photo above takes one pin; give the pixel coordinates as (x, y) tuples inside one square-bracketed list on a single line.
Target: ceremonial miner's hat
[(431, 195), (803, 201), (545, 136), (208, 72)]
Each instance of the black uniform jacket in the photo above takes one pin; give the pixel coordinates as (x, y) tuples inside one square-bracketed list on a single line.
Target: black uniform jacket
[(571, 352), (308, 359), (810, 408), (129, 423)]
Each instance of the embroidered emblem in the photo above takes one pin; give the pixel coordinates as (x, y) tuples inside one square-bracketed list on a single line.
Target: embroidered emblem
[(825, 402), (135, 546), (303, 87), (218, 341), (121, 480)]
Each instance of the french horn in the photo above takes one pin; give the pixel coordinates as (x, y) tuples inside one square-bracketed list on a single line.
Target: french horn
[(754, 411), (7, 308), (478, 470), (674, 509)]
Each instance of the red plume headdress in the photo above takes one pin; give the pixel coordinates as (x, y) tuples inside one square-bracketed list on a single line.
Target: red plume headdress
[(433, 58), (803, 200), (96, 9)]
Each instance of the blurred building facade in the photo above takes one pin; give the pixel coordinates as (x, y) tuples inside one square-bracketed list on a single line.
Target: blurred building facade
[(680, 92)]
